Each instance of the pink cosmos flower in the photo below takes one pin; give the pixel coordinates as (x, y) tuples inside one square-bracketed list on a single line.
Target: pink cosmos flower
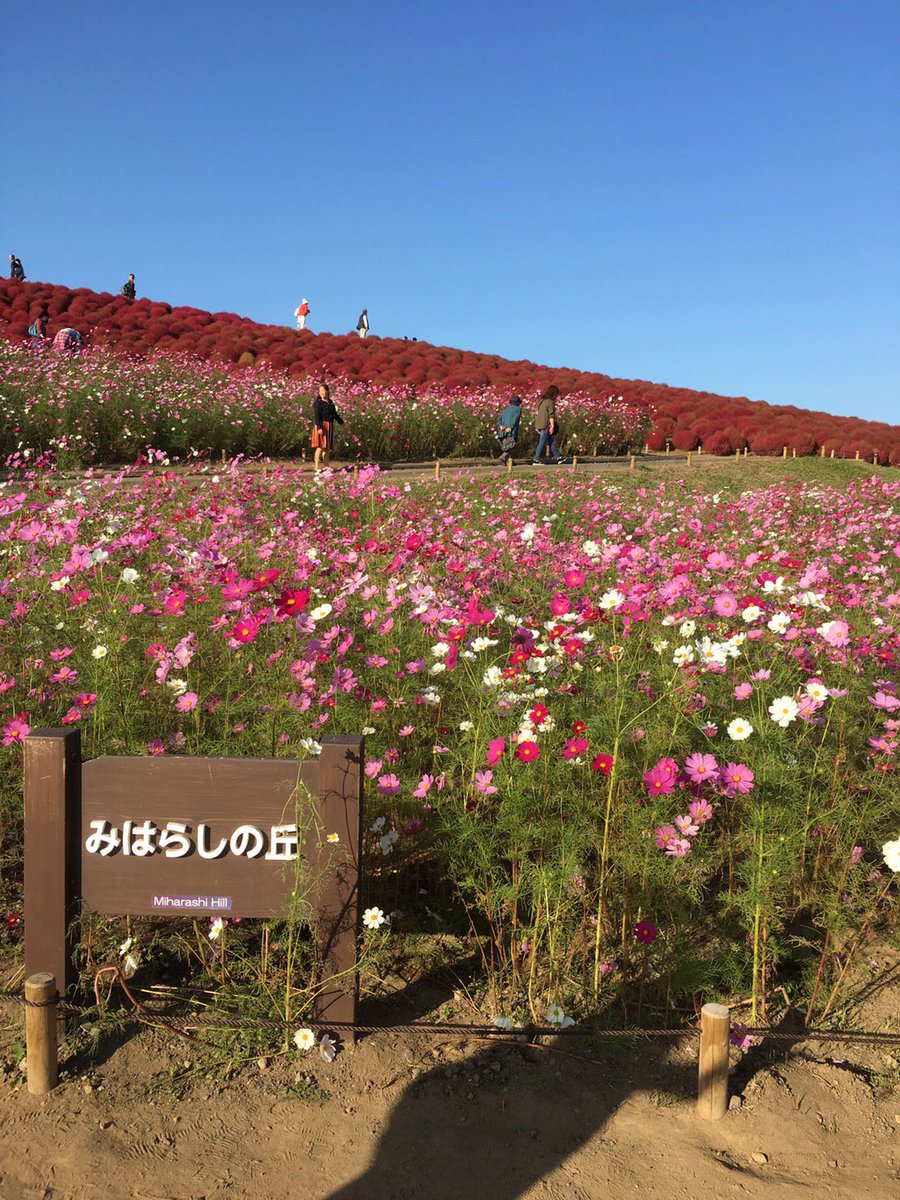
[(373, 766), (739, 1035), (573, 578), (856, 854), (725, 604), (245, 630), (15, 730), (388, 785), (663, 835), (575, 747), (423, 787), (659, 781), (743, 691), (701, 767), (835, 633), (602, 763), (495, 751), (881, 700), (559, 604), (156, 747), (483, 783), (678, 848), (686, 827), (406, 730), (186, 702), (701, 811), (737, 779)]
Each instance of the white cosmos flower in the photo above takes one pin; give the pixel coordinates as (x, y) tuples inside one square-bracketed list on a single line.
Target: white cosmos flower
[(373, 918), (527, 533), (891, 852), (129, 575), (440, 649), (483, 643), (178, 686), (660, 644), (817, 690), (320, 612), (779, 622), (783, 711), (492, 677), (591, 549), (682, 655), (687, 628), (311, 747), (377, 825), (387, 842), (58, 584), (774, 586), (334, 838), (304, 1039), (612, 599), (130, 964), (215, 928), (465, 726), (556, 1016), (368, 730), (100, 652), (437, 668), (739, 729), (751, 613)]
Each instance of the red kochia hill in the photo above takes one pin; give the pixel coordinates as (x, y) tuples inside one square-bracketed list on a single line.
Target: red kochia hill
[(687, 419)]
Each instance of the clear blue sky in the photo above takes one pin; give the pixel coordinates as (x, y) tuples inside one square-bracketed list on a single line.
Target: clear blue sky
[(698, 192)]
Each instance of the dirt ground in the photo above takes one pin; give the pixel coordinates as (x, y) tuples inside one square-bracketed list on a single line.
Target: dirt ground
[(410, 1117)]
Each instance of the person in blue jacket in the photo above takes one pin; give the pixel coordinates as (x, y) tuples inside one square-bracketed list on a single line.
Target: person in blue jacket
[(508, 428)]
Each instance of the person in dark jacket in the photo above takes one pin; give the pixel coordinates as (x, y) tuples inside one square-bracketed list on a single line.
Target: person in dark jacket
[(128, 288), (545, 424), (508, 428), (16, 270), (324, 416), (362, 325)]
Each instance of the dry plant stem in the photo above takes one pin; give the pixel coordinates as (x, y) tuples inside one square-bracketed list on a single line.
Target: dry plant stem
[(815, 992), (864, 928)]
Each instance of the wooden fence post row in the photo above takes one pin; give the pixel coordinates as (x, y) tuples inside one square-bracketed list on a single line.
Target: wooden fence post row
[(191, 837)]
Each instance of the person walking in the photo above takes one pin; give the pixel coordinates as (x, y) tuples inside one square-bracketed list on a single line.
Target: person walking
[(545, 424), (128, 288), (324, 416), (508, 428), (362, 325), (16, 270), (301, 312)]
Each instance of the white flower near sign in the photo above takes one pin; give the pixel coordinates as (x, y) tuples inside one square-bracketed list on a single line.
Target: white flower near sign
[(556, 1016), (126, 946), (304, 1039), (386, 842), (373, 918), (377, 825), (502, 1022), (100, 652), (334, 838), (216, 926), (327, 1047), (130, 965), (891, 852), (311, 747)]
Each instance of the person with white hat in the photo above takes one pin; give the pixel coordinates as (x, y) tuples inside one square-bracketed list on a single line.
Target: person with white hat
[(301, 313)]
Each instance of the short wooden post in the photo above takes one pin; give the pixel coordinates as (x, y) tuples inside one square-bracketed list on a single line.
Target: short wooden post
[(223, 456), (667, 449), (857, 456), (737, 456), (690, 458), (745, 451), (794, 452), (356, 475), (509, 465), (646, 447), (821, 452), (875, 459), (437, 468), (700, 449), (832, 452), (336, 906), (40, 1032), (574, 462), (52, 852), (631, 465), (784, 452), (712, 1091)]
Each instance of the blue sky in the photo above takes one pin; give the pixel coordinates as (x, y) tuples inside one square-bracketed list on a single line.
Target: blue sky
[(694, 192)]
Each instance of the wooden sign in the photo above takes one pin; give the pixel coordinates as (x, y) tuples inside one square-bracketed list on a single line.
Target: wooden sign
[(195, 837)]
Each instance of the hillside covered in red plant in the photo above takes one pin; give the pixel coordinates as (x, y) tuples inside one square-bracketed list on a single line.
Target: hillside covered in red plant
[(684, 418)]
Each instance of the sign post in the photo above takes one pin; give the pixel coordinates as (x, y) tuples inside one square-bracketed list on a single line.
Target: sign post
[(217, 837)]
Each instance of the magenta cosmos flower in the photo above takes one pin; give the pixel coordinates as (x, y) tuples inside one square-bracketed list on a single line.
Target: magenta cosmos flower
[(659, 780), (527, 751), (495, 751), (388, 785), (701, 767), (725, 604), (645, 932), (15, 730)]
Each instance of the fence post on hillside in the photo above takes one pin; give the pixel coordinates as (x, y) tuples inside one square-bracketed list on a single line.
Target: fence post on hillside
[(784, 452), (574, 462), (646, 447), (712, 1090), (700, 449), (40, 1033), (690, 459), (437, 468), (737, 456), (832, 452), (857, 456), (631, 465), (875, 459), (746, 451), (794, 452), (355, 475), (509, 465), (821, 452)]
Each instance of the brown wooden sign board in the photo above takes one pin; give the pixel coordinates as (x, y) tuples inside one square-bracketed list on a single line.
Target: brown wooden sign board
[(196, 837)]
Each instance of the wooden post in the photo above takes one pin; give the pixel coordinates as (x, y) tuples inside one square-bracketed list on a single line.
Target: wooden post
[(437, 468), (794, 452), (746, 450), (875, 459), (223, 456), (336, 900), (355, 475), (667, 449), (784, 453), (574, 462), (40, 1033), (52, 852), (737, 456), (689, 459), (712, 1092), (509, 465), (832, 452), (700, 449), (821, 452), (646, 447), (631, 465), (857, 456)]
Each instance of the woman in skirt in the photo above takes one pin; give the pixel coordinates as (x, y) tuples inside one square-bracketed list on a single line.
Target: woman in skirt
[(324, 417)]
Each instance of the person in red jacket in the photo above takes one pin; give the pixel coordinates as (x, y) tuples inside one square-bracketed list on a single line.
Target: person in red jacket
[(301, 312)]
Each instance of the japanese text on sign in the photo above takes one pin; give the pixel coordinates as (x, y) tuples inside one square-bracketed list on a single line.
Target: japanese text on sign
[(178, 839)]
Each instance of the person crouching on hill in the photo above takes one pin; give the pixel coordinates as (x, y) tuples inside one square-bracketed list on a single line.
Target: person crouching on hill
[(508, 428), (324, 417)]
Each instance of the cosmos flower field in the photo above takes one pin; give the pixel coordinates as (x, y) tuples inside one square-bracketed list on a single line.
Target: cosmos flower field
[(630, 744)]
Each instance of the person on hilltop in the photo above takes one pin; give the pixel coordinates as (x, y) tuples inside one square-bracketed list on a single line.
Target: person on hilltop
[(301, 312), (37, 330), (546, 425), (128, 288), (16, 270), (362, 325), (508, 428), (324, 416)]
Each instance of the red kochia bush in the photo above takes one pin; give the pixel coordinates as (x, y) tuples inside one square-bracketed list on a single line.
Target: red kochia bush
[(721, 424)]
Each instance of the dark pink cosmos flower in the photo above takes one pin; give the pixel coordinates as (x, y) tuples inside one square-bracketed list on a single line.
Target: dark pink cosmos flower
[(573, 578), (15, 730), (293, 601), (528, 751), (575, 747), (659, 781), (645, 932), (495, 751), (602, 763), (245, 630), (737, 779)]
